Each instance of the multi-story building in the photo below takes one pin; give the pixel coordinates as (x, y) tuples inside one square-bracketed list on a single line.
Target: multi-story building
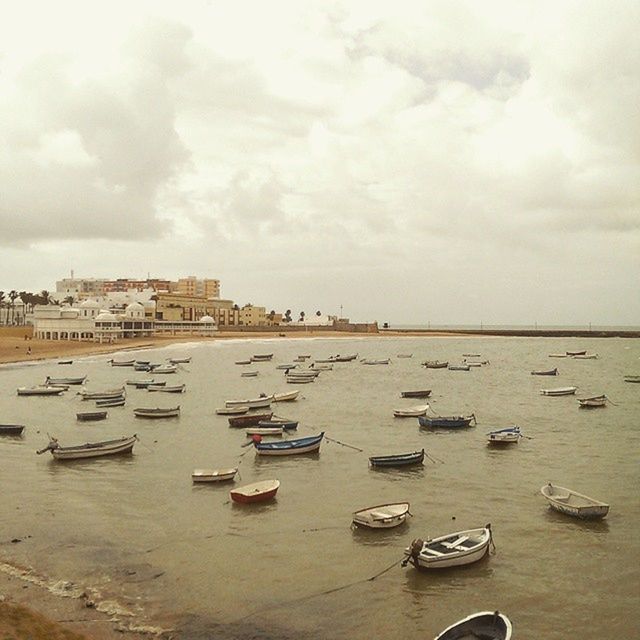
[(79, 288), (180, 307), (125, 285), (192, 286), (251, 316)]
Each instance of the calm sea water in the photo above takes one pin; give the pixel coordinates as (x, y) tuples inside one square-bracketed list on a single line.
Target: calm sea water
[(137, 531)]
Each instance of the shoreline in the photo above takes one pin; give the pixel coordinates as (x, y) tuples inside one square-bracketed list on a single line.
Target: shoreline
[(18, 347)]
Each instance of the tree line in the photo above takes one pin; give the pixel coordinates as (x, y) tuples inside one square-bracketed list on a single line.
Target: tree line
[(28, 299)]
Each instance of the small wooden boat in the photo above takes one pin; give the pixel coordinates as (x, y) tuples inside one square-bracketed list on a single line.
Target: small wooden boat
[(175, 388), (447, 422), (65, 361), (297, 446), (243, 361), (108, 394), (143, 362), (557, 355), (471, 355), (256, 492), (572, 503), (287, 425), (421, 393), (232, 411), (180, 360), (261, 357), (11, 429), (475, 364), (287, 396), (405, 355), (398, 459), (382, 516), (576, 353), (165, 368), (264, 431), (142, 367), (452, 550), (282, 367), (90, 449), (40, 391), (86, 416), (143, 383), (633, 379), (504, 436), (253, 403), (586, 356), (547, 372), (213, 475), (326, 360), (348, 358), (114, 402), (62, 381), (593, 403), (248, 374), (560, 391), (485, 625), (122, 363), (411, 412), (305, 373), (158, 412), (248, 420), (319, 367), (435, 364), (367, 361), (300, 379), (304, 356), (459, 367)]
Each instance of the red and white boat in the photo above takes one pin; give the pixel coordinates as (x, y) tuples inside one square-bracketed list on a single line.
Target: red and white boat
[(256, 492)]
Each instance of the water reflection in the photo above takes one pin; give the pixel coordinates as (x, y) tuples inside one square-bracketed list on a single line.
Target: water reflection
[(379, 537)]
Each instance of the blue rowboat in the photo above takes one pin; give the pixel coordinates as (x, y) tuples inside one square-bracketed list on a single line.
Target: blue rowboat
[(398, 460), (288, 447), (446, 422)]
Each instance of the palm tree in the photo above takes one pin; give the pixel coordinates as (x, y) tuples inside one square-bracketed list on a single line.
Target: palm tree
[(301, 319), (1, 303), (287, 315), (13, 294), (69, 300), (45, 297), (318, 313)]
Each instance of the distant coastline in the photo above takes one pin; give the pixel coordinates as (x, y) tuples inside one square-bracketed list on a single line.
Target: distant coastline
[(524, 332)]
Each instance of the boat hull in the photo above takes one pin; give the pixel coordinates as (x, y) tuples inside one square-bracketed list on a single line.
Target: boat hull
[(574, 504), (444, 422), (95, 450), (385, 516), (257, 492), (489, 625), (213, 475), (400, 460), (290, 447), (11, 429)]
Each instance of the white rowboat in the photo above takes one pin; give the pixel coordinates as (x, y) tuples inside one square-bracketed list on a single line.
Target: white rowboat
[(287, 396), (213, 475), (487, 625), (411, 412), (382, 516), (560, 391), (254, 403), (572, 503)]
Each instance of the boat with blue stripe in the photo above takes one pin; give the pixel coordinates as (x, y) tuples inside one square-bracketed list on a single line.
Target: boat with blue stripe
[(310, 444)]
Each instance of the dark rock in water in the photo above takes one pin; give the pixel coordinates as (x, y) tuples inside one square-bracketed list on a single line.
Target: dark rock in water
[(14, 540)]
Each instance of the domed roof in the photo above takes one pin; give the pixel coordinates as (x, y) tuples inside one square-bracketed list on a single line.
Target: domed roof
[(207, 319), (105, 316), (89, 304)]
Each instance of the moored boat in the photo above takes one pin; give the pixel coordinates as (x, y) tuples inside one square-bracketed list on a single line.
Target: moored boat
[(420, 393), (560, 391), (111, 402), (557, 355), (261, 357), (243, 361), (86, 416), (165, 368), (11, 429), (504, 436), (142, 412), (248, 420), (213, 475), (143, 383), (122, 363), (545, 372), (405, 355), (65, 361), (175, 388), (447, 422), (287, 425), (286, 396), (383, 361), (398, 459), (593, 403), (576, 353), (263, 431), (411, 412), (297, 446), (484, 625), (232, 411), (586, 356), (262, 402), (300, 379), (382, 516), (40, 391), (90, 449), (573, 503), (459, 367), (107, 394), (249, 374), (451, 550), (55, 381), (435, 364), (256, 492), (180, 360), (635, 379)]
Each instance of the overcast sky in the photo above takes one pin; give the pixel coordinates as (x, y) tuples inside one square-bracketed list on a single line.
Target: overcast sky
[(444, 162)]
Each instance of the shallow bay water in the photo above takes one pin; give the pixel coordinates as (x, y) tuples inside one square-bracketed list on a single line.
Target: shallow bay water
[(140, 533)]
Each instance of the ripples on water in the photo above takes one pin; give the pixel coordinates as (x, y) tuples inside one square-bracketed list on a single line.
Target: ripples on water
[(136, 529)]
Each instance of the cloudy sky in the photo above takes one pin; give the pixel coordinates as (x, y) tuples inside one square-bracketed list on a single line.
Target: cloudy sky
[(414, 162)]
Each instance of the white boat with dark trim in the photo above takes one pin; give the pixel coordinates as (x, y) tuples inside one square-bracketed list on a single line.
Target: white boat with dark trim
[(52, 382), (180, 360), (158, 412), (382, 516), (175, 388), (573, 503), (593, 402), (40, 391), (107, 394), (508, 435), (560, 391), (253, 403), (411, 412), (90, 449), (165, 368), (213, 475), (232, 411), (484, 625), (452, 550)]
